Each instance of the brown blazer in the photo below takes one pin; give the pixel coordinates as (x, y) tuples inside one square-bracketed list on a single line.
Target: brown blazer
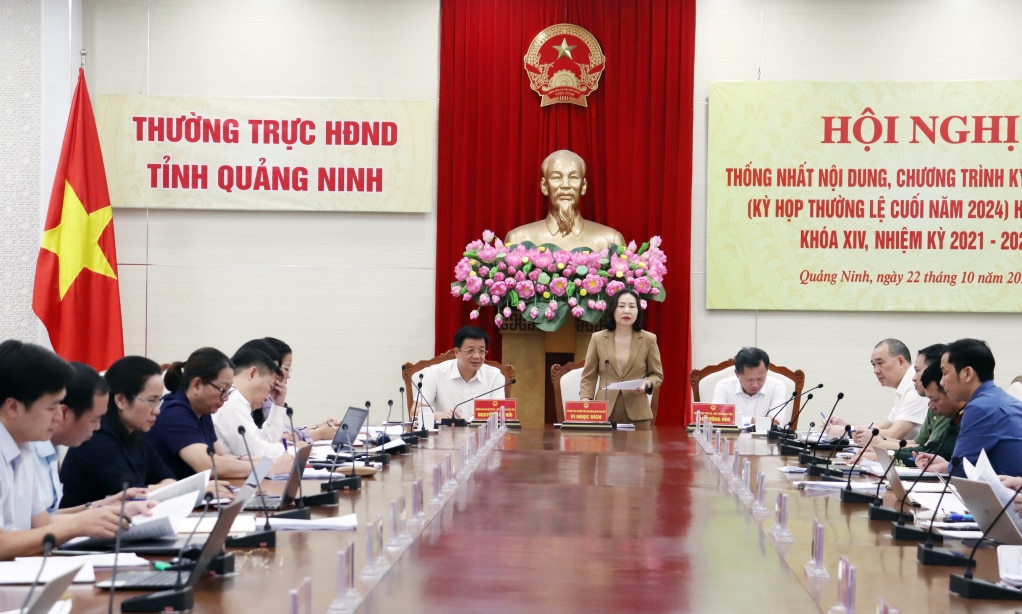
[(643, 361)]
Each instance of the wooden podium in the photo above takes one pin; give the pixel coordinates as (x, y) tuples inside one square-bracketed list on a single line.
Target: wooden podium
[(527, 348)]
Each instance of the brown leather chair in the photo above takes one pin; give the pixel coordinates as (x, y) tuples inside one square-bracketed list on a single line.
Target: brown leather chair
[(573, 371), (409, 369), (709, 376)]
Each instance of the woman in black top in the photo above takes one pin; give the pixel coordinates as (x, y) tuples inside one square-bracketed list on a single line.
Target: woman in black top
[(118, 451)]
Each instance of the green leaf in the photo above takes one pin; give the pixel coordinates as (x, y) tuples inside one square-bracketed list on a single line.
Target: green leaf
[(643, 248), (527, 268), (571, 289), (559, 318), (513, 298), (544, 278), (581, 271)]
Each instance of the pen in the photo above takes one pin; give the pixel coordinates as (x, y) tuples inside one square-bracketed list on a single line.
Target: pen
[(161, 566), (138, 499), (959, 518)]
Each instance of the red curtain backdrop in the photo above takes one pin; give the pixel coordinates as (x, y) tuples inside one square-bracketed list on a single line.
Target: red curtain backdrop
[(635, 136)]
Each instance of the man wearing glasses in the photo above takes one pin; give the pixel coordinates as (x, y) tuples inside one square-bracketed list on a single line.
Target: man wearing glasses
[(450, 383)]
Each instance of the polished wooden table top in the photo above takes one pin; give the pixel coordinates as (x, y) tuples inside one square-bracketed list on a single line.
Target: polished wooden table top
[(585, 522)]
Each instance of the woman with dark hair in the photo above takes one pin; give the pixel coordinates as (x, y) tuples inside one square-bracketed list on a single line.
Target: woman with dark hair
[(118, 451), (184, 433), (624, 352)]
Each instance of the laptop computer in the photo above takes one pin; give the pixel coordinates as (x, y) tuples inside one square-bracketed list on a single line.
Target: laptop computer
[(983, 504), (51, 592), (294, 479), (897, 487), (354, 418), (157, 580)]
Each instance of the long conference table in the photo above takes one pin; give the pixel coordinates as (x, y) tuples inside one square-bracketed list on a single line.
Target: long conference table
[(583, 521)]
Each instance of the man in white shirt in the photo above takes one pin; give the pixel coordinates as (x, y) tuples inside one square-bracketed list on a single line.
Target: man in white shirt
[(451, 383), (750, 390), (32, 384), (892, 365), (255, 374)]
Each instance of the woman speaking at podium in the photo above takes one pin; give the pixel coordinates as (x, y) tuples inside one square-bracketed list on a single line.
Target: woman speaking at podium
[(623, 352)]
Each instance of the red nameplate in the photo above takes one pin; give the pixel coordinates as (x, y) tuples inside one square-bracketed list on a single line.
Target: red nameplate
[(585, 411), (485, 407), (721, 414)]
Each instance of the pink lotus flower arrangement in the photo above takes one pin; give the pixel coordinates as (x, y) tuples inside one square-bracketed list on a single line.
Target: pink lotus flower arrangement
[(545, 284)]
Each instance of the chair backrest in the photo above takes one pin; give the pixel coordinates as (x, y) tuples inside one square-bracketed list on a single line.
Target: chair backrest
[(409, 369), (705, 379), (1015, 389), (567, 380)]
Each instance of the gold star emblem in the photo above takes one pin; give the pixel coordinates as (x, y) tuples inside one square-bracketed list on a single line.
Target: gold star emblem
[(564, 49), (75, 240)]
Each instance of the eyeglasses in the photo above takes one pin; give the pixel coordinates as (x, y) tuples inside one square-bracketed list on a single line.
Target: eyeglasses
[(152, 403), (224, 392), (470, 352)]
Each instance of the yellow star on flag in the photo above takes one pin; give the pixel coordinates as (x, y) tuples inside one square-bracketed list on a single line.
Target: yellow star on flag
[(564, 49), (75, 240)]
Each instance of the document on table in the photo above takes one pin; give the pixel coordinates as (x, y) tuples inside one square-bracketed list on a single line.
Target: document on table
[(192, 483), (950, 504), (347, 522), (125, 559), (632, 384), (856, 486), (24, 571), (164, 522), (244, 523)]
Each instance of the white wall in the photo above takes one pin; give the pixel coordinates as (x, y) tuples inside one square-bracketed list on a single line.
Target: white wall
[(841, 40), (193, 278)]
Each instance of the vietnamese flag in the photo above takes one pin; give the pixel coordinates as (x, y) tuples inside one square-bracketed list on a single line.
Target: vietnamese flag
[(76, 294)]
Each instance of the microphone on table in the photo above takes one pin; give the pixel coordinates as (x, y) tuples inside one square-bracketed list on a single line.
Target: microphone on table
[(350, 483), (422, 433), (972, 588), (382, 437), (820, 466), (267, 538), (789, 444), (180, 598), (117, 540), (606, 384), (926, 553), (49, 542), (211, 451), (775, 432), (850, 496), (420, 400), (478, 396), (902, 531), (295, 469), (877, 511), (809, 458)]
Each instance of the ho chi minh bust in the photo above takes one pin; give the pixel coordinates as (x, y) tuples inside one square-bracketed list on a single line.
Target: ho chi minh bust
[(563, 183)]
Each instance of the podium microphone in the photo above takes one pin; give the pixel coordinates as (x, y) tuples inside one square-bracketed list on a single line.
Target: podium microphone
[(267, 538), (49, 541), (850, 496), (478, 396), (972, 588), (877, 511), (926, 553)]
